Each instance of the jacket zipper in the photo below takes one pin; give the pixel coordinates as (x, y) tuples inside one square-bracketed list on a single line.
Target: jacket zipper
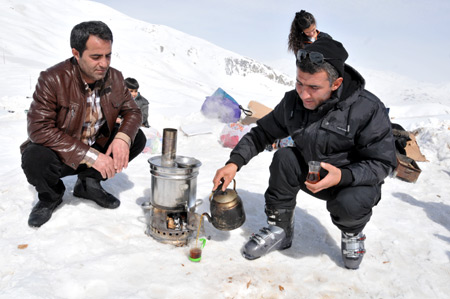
[(316, 132)]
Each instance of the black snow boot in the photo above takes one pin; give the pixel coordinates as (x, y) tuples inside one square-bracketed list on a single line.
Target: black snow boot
[(42, 212), (352, 246), (90, 188), (277, 236)]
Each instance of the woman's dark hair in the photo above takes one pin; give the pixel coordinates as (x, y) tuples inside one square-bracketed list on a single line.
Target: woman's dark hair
[(81, 32), (303, 20)]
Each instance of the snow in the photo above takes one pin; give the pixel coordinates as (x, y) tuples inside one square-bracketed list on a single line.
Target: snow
[(85, 251)]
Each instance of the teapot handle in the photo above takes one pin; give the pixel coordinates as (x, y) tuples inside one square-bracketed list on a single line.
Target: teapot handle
[(219, 189), (214, 192)]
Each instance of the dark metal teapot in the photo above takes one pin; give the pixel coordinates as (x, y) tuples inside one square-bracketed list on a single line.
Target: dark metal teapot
[(227, 210)]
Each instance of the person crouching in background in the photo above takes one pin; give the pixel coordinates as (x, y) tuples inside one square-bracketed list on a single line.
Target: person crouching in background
[(133, 86)]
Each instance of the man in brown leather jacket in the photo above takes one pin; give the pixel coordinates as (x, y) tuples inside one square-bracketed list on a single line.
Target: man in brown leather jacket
[(71, 124)]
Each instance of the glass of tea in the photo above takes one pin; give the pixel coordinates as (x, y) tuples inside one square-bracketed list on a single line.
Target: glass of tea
[(313, 172), (195, 251)]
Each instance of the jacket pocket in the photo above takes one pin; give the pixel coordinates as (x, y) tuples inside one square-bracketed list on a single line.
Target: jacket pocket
[(67, 118), (115, 101), (334, 138)]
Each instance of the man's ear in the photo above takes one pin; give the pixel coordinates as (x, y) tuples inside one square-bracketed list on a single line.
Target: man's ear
[(337, 83), (76, 54)]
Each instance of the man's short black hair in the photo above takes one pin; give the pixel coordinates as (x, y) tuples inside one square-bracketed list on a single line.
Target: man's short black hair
[(131, 83), (81, 32), (333, 52), (307, 66)]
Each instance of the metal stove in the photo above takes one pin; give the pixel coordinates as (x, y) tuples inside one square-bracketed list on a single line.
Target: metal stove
[(170, 214)]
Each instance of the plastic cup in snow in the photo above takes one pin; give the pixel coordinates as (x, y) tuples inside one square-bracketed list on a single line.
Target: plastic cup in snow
[(195, 251)]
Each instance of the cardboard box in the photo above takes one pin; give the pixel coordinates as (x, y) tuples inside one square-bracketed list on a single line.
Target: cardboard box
[(258, 111), (407, 169), (412, 149)]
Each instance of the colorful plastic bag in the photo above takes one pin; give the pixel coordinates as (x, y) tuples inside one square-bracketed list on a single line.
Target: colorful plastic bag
[(153, 144), (232, 133), (222, 106)]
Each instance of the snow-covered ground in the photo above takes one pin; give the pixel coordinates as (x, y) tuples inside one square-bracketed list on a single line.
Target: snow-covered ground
[(85, 251)]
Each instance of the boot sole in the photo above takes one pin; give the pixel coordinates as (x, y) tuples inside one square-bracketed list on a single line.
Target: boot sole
[(249, 257)]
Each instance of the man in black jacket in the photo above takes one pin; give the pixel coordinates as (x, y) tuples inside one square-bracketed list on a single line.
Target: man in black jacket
[(334, 120)]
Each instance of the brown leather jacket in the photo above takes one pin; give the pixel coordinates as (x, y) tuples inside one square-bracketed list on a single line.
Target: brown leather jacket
[(57, 112)]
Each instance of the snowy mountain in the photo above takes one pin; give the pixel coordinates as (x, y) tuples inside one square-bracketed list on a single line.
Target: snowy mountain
[(88, 252), (154, 54)]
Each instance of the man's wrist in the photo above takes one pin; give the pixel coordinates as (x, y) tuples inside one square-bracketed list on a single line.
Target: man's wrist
[(237, 160), (124, 137), (90, 157)]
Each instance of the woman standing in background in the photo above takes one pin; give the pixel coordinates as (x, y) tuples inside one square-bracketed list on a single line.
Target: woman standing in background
[(303, 31)]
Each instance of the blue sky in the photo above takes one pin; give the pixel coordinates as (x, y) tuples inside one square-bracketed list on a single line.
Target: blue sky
[(411, 38)]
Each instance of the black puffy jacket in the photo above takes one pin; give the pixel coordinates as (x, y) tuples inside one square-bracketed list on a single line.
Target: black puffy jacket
[(351, 131)]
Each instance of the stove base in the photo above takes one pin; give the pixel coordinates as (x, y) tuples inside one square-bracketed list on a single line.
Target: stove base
[(173, 227)]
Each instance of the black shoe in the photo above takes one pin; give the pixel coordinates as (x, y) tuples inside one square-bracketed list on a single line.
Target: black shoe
[(42, 212), (90, 188), (352, 247)]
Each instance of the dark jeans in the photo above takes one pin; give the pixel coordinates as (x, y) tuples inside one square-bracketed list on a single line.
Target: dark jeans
[(44, 169), (350, 207)]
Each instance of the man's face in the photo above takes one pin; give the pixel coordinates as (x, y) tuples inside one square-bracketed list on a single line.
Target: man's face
[(314, 89), (133, 92), (95, 61)]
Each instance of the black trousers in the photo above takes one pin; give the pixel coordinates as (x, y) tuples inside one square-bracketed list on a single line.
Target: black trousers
[(44, 169), (350, 207)]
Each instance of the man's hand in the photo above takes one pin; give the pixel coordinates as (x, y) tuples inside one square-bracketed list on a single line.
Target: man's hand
[(120, 154), (331, 179), (105, 165), (225, 174)]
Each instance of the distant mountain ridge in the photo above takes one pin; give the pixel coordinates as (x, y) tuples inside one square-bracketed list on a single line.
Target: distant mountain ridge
[(244, 66)]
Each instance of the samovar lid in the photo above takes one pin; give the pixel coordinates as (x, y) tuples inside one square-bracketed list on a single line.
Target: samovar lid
[(187, 162), (180, 162)]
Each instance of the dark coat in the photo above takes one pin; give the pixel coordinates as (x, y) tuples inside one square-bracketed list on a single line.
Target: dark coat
[(142, 103), (320, 34), (58, 109), (351, 131)]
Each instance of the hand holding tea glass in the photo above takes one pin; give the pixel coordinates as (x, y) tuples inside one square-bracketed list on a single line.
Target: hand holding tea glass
[(315, 183)]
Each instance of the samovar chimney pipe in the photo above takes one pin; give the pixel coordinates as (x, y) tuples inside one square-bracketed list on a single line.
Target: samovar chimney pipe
[(169, 147)]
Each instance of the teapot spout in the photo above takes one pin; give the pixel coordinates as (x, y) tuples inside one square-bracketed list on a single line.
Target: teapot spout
[(208, 217)]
